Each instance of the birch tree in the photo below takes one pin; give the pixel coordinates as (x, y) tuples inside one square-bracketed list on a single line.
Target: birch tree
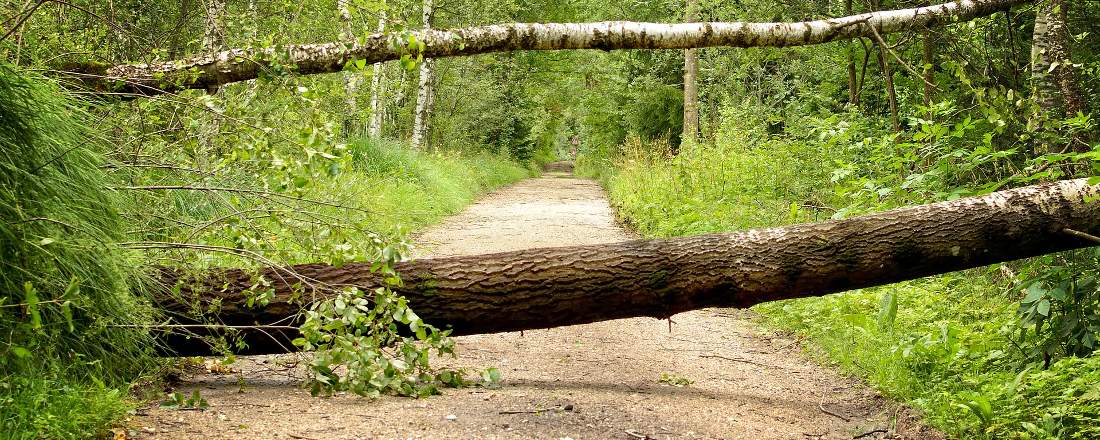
[(1056, 87), (691, 75), (234, 65), (351, 79), (423, 118), (377, 105)]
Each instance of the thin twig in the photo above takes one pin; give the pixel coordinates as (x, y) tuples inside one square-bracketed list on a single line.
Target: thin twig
[(19, 23), (235, 190), (904, 64), (870, 433), (821, 406), (208, 326), (742, 360), (637, 435), (1080, 234)]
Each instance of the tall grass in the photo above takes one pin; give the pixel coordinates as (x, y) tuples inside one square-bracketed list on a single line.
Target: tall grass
[(64, 283)]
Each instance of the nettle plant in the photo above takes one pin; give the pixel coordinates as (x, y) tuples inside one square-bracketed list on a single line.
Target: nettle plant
[(1060, 312), (371, 343)]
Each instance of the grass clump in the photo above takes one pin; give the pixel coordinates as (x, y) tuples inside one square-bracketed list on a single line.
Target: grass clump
[(64, 284)]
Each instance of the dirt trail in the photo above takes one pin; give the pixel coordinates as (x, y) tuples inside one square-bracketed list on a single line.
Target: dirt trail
[(593, 381)]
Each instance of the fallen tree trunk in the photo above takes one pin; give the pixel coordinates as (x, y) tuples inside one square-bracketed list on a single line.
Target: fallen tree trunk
[(551, 287), (212, 70)]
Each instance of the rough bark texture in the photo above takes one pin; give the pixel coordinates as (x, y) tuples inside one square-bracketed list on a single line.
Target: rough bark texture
[(691, 87), (1056, 88), (213, 36), (422, 121), (244, 64), (551, 287)]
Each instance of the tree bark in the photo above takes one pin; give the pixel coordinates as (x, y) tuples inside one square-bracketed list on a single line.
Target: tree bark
[(691, 86), (928, 59), (881, 42), (853, 95), (213, 39), (888, 79), (551, 287), (235, 65), (377, 79), (1057, 89), (213, 36), (351, 79), (422, 121)]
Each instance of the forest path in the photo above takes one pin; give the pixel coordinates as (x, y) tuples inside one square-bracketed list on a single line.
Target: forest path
[(592, 381)]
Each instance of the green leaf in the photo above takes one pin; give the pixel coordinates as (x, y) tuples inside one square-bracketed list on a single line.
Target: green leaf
[(67, 312), (1043, 307), (20, 352), (1034, 293), (30, 296), (888, 310)]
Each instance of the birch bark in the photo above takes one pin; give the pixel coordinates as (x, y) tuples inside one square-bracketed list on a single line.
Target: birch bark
[(377, 80), (691, 87), (423, 119), (243, 64)]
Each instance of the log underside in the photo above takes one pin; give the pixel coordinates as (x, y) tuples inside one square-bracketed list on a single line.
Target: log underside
[(550, 287)]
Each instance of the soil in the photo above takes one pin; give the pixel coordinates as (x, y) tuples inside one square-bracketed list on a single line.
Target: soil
[(607, 380)]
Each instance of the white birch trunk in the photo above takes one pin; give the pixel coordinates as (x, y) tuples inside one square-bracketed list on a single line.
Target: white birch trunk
[(377, 106), (351, 79), (213, 39), (423, 118), (244, 64), (213, 36), (691, 88)]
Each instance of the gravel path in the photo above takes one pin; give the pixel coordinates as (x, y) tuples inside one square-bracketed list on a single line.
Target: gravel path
[(592, 381)]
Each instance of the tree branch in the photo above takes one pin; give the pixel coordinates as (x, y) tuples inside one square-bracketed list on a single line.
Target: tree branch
[(211, 70)]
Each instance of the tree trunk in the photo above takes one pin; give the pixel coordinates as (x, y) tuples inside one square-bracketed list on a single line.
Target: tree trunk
[(351, 79), (1056, 86), (888, 79), (213, 39), (551, 287), (377, 105), (235, 65), (881, 41), (213, 36), (928, 61), (691, 86), (422, 121), (853, 95)]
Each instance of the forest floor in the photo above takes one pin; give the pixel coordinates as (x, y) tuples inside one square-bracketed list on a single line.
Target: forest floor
[(593, 381)]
